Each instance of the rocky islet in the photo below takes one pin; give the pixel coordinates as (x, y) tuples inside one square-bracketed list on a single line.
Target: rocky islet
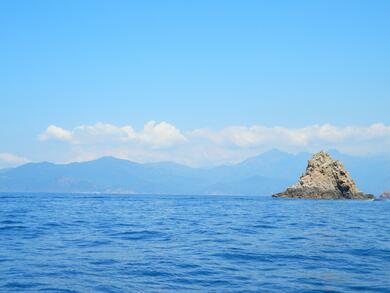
[(325, 178)]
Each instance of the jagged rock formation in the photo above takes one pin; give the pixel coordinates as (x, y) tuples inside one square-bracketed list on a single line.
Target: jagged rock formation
[(325, 178)]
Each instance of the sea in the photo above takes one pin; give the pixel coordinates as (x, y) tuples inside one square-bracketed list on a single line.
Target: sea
[(171, 243)]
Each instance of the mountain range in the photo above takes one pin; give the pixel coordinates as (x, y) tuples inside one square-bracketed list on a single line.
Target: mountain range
[(265, 174)]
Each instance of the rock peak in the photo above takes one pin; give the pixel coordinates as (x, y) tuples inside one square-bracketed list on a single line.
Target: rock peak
[(325, 178), (322, 155)]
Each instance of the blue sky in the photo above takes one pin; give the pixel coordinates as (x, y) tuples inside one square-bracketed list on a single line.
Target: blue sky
[(196, 65)]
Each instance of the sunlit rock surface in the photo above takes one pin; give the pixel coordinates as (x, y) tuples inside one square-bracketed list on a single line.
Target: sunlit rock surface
[(324, 178)]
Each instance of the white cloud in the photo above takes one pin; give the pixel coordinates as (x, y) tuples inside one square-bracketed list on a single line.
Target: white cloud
[(56, 133), (102, 133), (163, 141), (289, 138), (154, 135), (10, 160), (160, 135)]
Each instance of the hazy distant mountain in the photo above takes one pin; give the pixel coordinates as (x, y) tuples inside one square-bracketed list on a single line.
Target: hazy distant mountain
[(265, 174)]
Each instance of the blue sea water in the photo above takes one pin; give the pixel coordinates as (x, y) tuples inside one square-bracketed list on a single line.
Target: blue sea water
[(107, 243)]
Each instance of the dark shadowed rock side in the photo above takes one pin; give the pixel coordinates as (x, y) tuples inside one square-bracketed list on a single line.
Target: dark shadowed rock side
[(325, 178)]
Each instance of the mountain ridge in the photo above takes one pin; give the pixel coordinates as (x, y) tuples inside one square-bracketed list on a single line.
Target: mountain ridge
[(264, 174)]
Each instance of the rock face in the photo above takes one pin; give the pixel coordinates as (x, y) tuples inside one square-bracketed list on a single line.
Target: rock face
[(325, 178)]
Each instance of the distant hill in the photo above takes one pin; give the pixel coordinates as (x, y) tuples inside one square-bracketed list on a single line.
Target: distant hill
[(265, 174)]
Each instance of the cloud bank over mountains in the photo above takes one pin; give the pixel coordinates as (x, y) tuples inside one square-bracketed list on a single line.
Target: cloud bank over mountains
[(162, 141), (154, 135)]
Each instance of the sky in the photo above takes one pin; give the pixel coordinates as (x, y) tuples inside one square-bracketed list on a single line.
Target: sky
[(197, 82)]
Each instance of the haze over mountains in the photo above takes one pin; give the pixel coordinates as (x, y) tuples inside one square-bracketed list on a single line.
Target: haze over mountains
[(265, 174)]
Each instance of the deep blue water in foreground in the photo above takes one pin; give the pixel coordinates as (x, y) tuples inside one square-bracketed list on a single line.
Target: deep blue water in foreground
[(88, 243)]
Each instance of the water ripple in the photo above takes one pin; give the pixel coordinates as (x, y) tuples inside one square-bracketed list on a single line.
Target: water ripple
[(83, 243)]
